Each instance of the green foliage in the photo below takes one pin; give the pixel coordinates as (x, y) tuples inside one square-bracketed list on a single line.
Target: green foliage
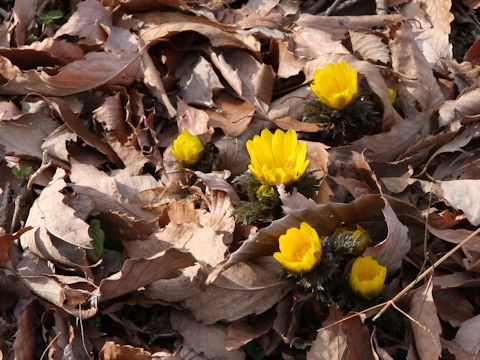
[(97, 235), (22, 172), (49, 17), (341, 127)]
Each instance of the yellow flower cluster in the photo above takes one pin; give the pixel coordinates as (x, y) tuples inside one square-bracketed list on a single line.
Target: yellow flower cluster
[(300, 249), (336, 85), (367, 277), (187, 148), (277, 158)]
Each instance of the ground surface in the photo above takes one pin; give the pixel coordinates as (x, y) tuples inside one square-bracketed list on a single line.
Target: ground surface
[(110, 248)]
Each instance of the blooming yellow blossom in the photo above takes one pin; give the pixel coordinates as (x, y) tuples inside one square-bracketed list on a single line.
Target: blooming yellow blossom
[(360, 234), (336, 85), (367, 277), (277, 158), (392, 95), (300, 249), (187, 148)]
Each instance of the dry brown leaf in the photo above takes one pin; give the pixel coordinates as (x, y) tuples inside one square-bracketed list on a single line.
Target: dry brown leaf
[(199, 84), (112, 351), (136, 5), (347, 340), (232, 114), (468, 336), (427, 327), (158, 26), (73, 294), (96, 69), (288, 64), (418, 90), (438, 13), (240, 333), (290, 105), (217, 181), (116, 194), (257, 79), (25, 342), (465, 105), (137, 273), (86, 23), (34, 126), (111, 115), (217, 58), (472, 4), (24, 12), (452, 306), (212, 342), (391, 251), (59, 48), (195, 121), (60, 220), (369, 47), (463, 195)]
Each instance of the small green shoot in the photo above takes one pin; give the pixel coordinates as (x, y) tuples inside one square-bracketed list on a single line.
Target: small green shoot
[(22, 172), (50, 17), (97, 235)]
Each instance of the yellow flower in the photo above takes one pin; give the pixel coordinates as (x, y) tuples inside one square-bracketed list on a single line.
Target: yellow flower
[(367, 277), (360, 234), (336, 85), (392, 94), (187, 148), (277, 158), (300, 249)]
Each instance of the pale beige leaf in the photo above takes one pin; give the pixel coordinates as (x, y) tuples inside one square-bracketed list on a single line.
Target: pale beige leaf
[(463, 195), (137, 273), (288, 64), (112, 351), (427, 327), (212, 342), (468, 335), (438, 13), (435, 46), (369, 47), (195, 121)]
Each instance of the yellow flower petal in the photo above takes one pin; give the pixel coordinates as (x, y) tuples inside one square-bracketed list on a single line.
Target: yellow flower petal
[(367, 277), (277, 158), (300, 249), (336, 85), (187, 148)]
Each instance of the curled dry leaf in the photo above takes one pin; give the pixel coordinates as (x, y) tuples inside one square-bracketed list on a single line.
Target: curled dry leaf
[(462, 108), (137, 273), (96, 69), (369, 47), (112, 351), (426, 327)]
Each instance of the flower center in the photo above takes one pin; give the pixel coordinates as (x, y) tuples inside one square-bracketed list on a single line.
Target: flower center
[(300, 252), (366, 274)]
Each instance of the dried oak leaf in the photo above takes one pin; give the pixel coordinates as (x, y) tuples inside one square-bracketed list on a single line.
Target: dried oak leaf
[(112, 351), (468, 336)]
